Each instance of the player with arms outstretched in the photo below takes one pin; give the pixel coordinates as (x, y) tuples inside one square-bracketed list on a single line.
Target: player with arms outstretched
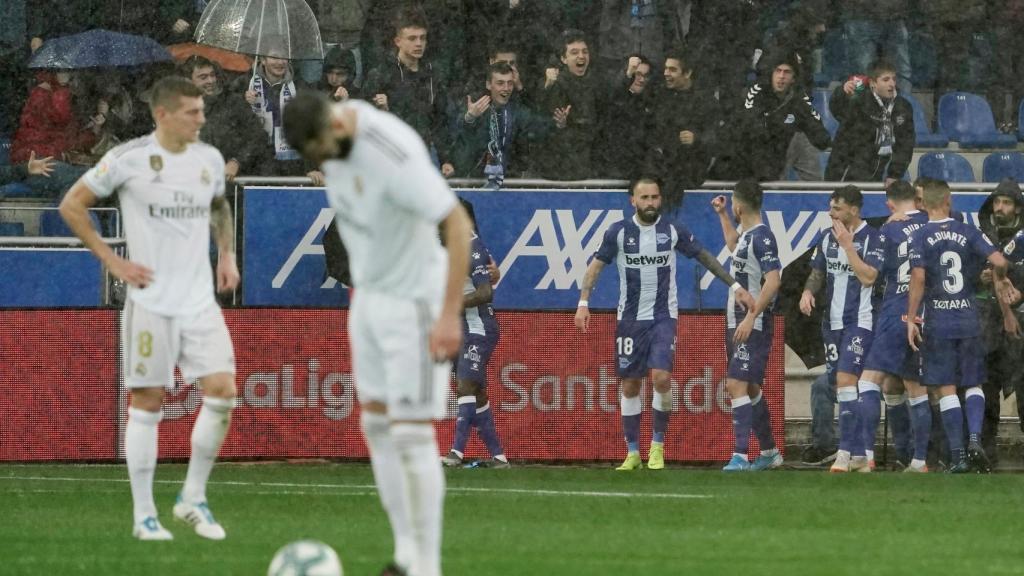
[(749, 331), (943, 255), (171, 189), (644, 250), (405, 318)]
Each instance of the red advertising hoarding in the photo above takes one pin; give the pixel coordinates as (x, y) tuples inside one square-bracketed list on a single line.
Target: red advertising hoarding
[(554, 390)]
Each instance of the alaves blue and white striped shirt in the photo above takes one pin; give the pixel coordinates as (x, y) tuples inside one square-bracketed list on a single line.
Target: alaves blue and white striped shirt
[(480, 319), (755, 255), (849, 301), (646, 260)]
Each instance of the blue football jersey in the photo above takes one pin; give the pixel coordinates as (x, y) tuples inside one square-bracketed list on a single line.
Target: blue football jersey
[(756, 254), (479, 319), (947, 250), (646, 260), (849, 301), (896, 270), (1014, 249)]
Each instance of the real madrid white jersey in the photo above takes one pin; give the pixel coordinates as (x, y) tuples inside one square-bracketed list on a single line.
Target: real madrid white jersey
[(165, 203), (389, 198)]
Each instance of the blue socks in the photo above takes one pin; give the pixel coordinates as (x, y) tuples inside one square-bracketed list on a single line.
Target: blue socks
[(742, 415), (898, 416), (922, 420), (870, 413), (484, 422), (630, 408), (953, 422), (464, 423), (975, 400), (847, 397), (762, 421), (661, 406)]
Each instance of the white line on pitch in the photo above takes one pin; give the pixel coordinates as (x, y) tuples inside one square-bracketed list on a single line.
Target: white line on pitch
[(455, 489)]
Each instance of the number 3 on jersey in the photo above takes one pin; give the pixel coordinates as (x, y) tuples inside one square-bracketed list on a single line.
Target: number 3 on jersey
[(624, 345), (953, 283)]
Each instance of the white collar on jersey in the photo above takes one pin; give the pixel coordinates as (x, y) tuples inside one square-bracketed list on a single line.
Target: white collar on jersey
[(946, 219), (642, 225)]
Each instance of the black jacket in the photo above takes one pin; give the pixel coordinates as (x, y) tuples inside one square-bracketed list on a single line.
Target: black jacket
[(623, 142), (568, 153), (236, 132), (855, 150), (681, 166), (763, 127), (416, 97)]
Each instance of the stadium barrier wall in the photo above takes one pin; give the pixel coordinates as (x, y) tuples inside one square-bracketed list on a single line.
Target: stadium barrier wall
[(554, 390), (541, 239)]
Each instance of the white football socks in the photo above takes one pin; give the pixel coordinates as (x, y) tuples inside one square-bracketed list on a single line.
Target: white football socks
[(425, 480), (391, 484), (140, 445), (207, 436)]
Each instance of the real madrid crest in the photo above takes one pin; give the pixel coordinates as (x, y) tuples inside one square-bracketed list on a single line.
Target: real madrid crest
[(204, 177), (156, 162)]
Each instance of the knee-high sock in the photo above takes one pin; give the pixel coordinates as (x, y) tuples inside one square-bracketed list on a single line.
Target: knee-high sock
[(898, 415), (741, 422), (488, 433), (953, 422), (922, 412), (207, 436), (939, 444), (870, 412), (425, 481), (390, 477), (975, 400), (762, 421), (630, 408), (847, 397), (140, 446), (464, 423), (661, 408)]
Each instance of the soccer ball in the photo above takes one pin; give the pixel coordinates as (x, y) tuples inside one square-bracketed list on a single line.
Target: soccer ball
[(306, 558)]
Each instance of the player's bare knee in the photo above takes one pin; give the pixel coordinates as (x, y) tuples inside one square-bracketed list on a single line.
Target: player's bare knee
[(148, 399), (893, 386), (220, 385), (662, 381), (737, 388), (481, 397), (630, 387), (374, 407), (468, 388)]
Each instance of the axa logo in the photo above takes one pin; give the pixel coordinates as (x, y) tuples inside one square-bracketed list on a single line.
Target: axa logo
[(566, 246)]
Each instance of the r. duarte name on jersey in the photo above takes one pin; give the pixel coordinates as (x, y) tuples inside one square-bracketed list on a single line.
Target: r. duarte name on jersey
[(957, 304), (940, 235), (179, 211), (644, 260)]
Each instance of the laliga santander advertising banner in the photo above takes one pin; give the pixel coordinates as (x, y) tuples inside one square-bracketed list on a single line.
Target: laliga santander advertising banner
[(541, 240), (554, 390)]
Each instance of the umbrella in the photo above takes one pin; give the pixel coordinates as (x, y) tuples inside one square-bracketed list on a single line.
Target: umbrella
[(231, 61), (279, 28), (98, 48)]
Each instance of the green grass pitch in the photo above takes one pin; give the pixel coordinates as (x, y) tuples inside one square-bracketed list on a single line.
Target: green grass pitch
[(67, 519)]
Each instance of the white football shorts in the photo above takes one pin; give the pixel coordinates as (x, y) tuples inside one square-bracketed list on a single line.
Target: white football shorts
[(198, 344), (391, 357)]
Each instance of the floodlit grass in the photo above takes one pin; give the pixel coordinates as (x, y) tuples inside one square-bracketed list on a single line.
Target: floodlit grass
[(65, 519)]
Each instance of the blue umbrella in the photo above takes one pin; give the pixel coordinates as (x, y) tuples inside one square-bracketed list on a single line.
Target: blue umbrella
[(98, 49)]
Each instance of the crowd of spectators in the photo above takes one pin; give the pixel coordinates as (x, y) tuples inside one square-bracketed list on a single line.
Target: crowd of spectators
[(566, 90)]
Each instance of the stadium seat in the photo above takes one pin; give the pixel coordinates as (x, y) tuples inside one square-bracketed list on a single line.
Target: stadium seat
[(925, 137), (51, 224), (999, 165), (948, 166), (820, 100), (5, 150), (967, 119), (12, 229), (16, 190), (833, 57)]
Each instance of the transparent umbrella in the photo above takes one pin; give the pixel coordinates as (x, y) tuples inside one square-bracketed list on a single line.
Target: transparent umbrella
[(278, 28)]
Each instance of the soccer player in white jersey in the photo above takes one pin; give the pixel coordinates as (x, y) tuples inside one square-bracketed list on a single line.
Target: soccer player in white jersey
[(171, 190), (748, 338), (644, 251), (405, 320)]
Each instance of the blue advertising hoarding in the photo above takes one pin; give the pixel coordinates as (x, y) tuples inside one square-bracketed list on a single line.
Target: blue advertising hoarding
[(49, 278), (541, 240)]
